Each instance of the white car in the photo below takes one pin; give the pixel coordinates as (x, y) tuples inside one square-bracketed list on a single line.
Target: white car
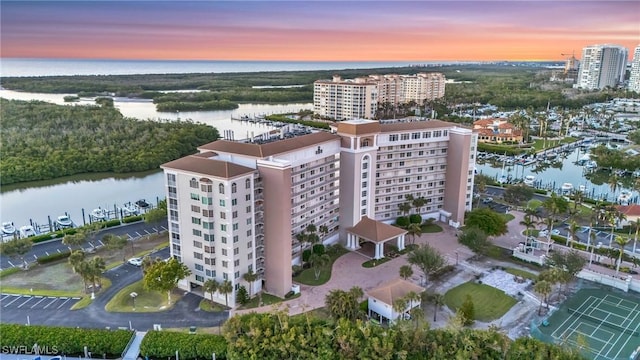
[(135, 261)]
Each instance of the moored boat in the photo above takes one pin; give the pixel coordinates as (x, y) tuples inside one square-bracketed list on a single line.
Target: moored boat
[(27, 231), (625, 197), (566, 188), (130, 209), (64, 221), (99, 214), (529, 180), (8, 228)]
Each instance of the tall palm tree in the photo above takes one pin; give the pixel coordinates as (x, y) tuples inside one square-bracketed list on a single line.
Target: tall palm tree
[(250, 277), (226, 288), (543, 288), (438, 300), (621, 242), (414, 230), (578, 199), (614, 183), (551, 206), (406, 271), (592, 242), (211, 286), (573, 229), (528, 222), (635, 225), (75, 259), (418, 203), (405, 208), (318, 261), (400, 306)]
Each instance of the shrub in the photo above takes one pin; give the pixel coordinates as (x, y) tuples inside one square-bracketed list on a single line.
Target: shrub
[(164, 344), (242, 296), (131, 219), (53, 257), (415, 219), (112, 223), (306, 255), (402, 221), (68, 341), (441, 272), (9, 271), (467, 310), (364, 306), (318, 249), (296, 270), (289, 295)]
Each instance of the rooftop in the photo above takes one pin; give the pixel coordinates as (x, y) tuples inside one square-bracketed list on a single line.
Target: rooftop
[(204, 164)]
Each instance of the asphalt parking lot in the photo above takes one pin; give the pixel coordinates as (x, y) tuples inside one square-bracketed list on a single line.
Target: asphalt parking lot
[(10, 302)]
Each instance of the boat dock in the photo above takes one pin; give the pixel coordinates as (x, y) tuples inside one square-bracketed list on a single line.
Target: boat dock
[(259, 119)]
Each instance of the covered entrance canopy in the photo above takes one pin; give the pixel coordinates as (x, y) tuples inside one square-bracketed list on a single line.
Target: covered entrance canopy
[(376, 232)]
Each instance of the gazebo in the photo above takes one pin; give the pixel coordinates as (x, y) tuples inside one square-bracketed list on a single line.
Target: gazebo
[(376, 232), (381, 300)]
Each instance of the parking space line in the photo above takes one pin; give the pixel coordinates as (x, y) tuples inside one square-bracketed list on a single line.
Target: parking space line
[(49, 304), (4, 296), (41, 300), (147, 231), (137, 233), (154, 229), (14, 300), (61, 305), (29, 299), (129, 235)]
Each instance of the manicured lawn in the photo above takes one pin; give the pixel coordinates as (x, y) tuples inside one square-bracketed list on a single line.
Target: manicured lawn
[(146, 301), (308, 276), (508, 217), (538, 143), (209, 306), (267, 299), (522, 273), (431, 228), (534, 204), (489, 302)]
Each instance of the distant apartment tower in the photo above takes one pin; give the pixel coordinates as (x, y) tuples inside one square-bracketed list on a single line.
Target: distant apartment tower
[(345, 99), (239, 206), (342, 99), (602, 66), (634, 79)]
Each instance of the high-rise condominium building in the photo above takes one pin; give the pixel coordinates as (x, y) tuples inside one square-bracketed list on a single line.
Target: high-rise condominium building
[(634, 79), (239, 206), (359, 98), (602, 66)]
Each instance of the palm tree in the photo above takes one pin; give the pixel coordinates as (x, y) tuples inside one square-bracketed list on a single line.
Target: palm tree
[(634, 225), (438, 300), (573, 229), (250, 277), (225, 288), (400, 306), (528, 222), (543, 288), (592, 243), (414, 230), (405, 208), (551, 206), (75, 259), (621, 242), (318, 261), (406, 271), (98, 266), (614, 183), (578, 199), (418, 203), (211, 286)]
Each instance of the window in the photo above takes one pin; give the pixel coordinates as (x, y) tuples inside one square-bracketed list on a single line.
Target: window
[(225, 276), (250, 256), (224, 252), (426, 134), (193, 183), (234, 214), (249, 245), (199, 278), (236, 263), (404, 137), (209, 237), (195, 220), (197, 244), (195, 196), (235, 239), (197, 255), (209, 249), (222, 203), (247, 184), (223, 215), (206, 188), (415, 135), (237, 274), (171, 177), (223, 227), (248, 209), (235, 226), (365, 165), (207, 213), (207, 201), (234, 188), (221, 189), (249, 221), (197, 232), (393, 137), (199, 267), (247, 197), (225, 263), (208, 225), (224, 239), (236, 251), (234, 202)]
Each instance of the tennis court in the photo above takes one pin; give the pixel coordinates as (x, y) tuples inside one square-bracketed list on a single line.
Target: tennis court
[(603, 324)]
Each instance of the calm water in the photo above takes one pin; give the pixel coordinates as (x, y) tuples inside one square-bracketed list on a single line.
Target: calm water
[(37, 200), (63, 67)]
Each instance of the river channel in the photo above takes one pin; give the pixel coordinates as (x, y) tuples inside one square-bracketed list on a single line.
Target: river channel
[(36, 201)]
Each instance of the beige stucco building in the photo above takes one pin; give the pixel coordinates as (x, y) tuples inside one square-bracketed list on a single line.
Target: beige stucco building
[(359, 98), (237, 206)]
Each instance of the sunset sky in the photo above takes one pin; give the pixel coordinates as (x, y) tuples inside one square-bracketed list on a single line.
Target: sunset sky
[(314, 30)]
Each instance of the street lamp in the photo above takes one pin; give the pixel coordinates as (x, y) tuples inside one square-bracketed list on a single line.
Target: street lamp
[(456, 257), (133, 297)]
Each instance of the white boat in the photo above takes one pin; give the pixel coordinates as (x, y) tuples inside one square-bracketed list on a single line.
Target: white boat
[(566, 187), (529, 180), (8, 228), (99, 214), (625, 197), (591, 164), (502, 179), (130, 209), (64, 221), (582, 188), (27, 231)]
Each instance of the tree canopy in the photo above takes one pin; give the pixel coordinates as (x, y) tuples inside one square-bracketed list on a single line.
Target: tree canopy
[(44, 141), (487, 220), (164, 275)]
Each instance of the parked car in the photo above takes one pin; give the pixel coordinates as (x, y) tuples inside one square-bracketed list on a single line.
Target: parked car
[(135, 261), (487, 200)]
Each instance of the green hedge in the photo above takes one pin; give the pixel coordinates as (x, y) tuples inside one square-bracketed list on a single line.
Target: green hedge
[(9, 271), (131, 219), (164, 344), (68, 341), (500, 149), (53, 257), (112, 223), (54, 235)]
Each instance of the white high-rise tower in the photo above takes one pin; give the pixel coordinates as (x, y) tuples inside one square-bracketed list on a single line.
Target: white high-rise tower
[(602, 66), (634, 80)]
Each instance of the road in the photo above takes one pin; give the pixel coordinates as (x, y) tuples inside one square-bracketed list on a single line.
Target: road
[(132, 231)]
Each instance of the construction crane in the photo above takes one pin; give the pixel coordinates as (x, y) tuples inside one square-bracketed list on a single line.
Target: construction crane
[(571, 62)]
